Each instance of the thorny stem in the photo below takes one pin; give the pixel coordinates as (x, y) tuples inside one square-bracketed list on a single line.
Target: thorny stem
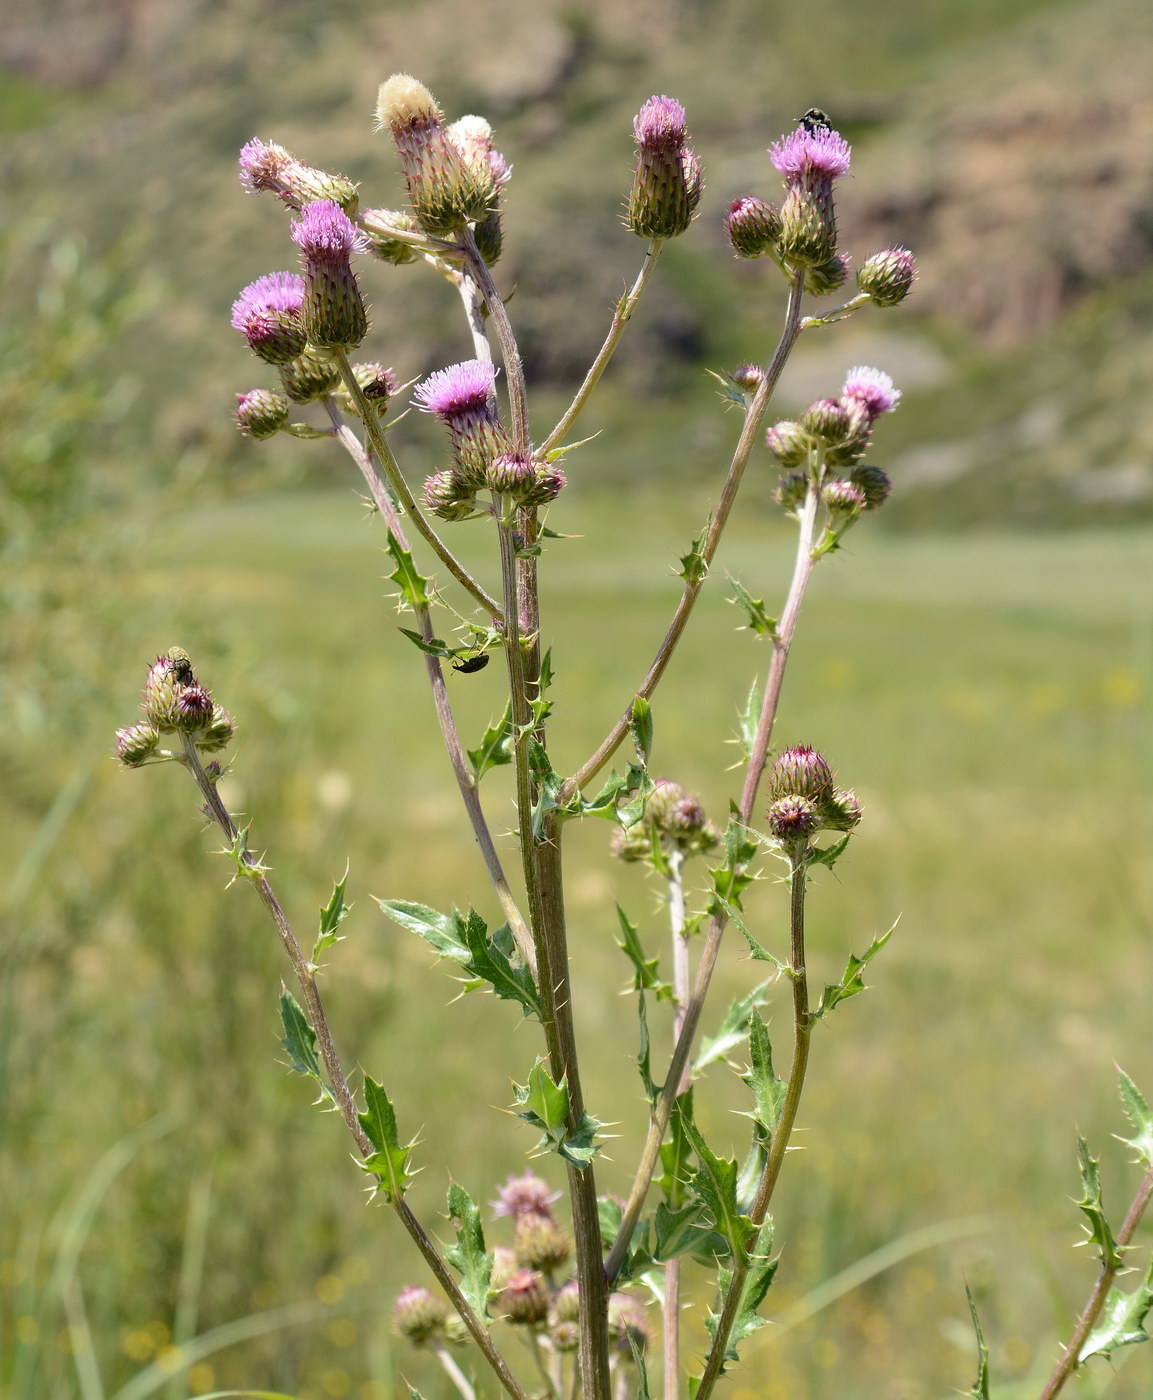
[(384, 456), (675, 891), (750, 431), (465, 780), (305, 974), (1071, 1356), (621, 316), (662, 1110)]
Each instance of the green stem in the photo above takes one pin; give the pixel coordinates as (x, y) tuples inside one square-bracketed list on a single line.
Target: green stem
[(621, 316), (770, 1173), (750, 434), (682, 980), (337, 1081), (371, 420)]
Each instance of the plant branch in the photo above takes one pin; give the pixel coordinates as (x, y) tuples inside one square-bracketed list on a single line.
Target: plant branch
[(750, 431), (383, 452), (510, 354), (662, 1110), (671, 1308), (621, 317), (1071, 1356), (305, 974)]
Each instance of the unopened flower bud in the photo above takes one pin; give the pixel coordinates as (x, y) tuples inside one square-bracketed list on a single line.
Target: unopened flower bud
[(789, 443), (376, 383), (333, 311), (808, 232), (794, 819), (447, 191), (525, 1195), (566, 1304), (267, 313), (628, 1325), (820, 281), (523, 1300), (858, 430), (542, 1244), (667, 176), (874, 483), (193, 708), (377, 224), (753, 226), (887, 276), (448, 496), (218, 732), (841, 811), (136, 744), (800, 772), (510, 474), (827, 420), (419, 1316), (748, 377), (472, 137), (548, 482), (261, 413), (791, 492), (564, 1336), (264, 166), (309, 377), (842, 500), (632, 843)]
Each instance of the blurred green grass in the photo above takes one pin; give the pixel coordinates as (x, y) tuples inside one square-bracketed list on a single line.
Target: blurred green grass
[(987, 696)]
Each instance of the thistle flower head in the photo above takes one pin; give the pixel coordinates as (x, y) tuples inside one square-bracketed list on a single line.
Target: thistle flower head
[(276, 291), (218, 732), (525, 1195), (402, 100), (887, 276), (667, 176), (753, 226), (324, 233), (788, 442), (333, 312), (873, 387), (660, 122), (193, 707), (261, 413), (267, 313), (842, 811), (793, 818), (265, 166), (472, 137), (566, 1304), (843, 500), (419, 1316), (542, 1244), (820, 281), (136, 743), (310, 376), (875, 483), (800, 772), (792, 489), (458, 392), (806, 154), (523, 1300)]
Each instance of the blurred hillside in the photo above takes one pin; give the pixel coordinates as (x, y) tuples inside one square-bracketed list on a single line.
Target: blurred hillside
[(1006, 143)]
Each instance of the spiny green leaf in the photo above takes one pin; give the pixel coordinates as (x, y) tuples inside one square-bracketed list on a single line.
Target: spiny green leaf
[(1122, 1320), (468, 1256), (545, 1104), (434, 646), (851, 980), (389, 1163), (768, 1090), (644, 1057), (609, 1214), (491, 959), (332, 916), (715, 1185), (980, 1387), (827, 855), (733, 1030), (640, 788), (406, 576), (541, 707), (642, 1369), (693, 567), (758, 619), (759, 954), (299, 1041), (730, 880), (675, 1153), (495, 747), (749, 718), (439, 931), (604, 804), (641, 727), (554, 456), (548, 782), (1091, 1207), (644, 969), (731, 391), (686, 1230), (757, 1283), (1139, 1115)]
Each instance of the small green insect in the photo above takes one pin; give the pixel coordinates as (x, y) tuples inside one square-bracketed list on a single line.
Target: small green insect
[(815, 120), (180, 665)]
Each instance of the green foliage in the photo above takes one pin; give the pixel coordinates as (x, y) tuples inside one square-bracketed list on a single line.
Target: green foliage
[(693, 567), (641, 728), (731, 879), (545, 1104), (468, 1255), (1141, 1118), (754, 1290), (1090, 1204), (758, 620), (299, 1042), (1122, 1320), (733, 1030), (714, 1183), (749, 718), (645, 970), (411, 583), (332, 916), (768, 1090), (980, 1387), (852, 980), (496, 746), (389, 1162)]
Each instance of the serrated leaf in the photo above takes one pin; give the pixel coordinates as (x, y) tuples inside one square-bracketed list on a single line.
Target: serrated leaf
[(468, 1256), (733, 1030), (545, 1104), (1122, 1320), (980, 1387), (758, 953), (438, 930), (641, 727), (644, 1056), (683, 1231), (676, 1152), (1091, 1207), (604, 804), (754, 608), (548, 782), (693, 567), (332, 916), (714, 1182), (768, 1091), (645, 977), (389, 1163), (406, 576), (1138, 1113), (851, 980), (491, 959), (758, 1281), (640, 787), (434, 646), (730, 879), (299, 1039), (749, 719), (496, 746), (827, 855)]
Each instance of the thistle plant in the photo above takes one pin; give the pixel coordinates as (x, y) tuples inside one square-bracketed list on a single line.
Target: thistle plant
[(595, 1287)]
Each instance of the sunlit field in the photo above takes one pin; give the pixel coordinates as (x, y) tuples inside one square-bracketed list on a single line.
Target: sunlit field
[(164, 1176)]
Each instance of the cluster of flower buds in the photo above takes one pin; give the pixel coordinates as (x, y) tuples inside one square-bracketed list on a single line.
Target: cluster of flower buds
[(673, 820), (827, 444), (454, 176), (667, 182), (463, 398), (804, 799), (174, 702)]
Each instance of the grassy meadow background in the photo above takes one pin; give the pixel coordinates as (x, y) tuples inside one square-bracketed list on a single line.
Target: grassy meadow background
[(978, 663)]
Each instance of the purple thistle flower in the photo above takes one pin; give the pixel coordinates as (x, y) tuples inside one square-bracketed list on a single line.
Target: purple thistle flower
[(873, 388), (262, 166), (325, 233), (804, 155), (275, 292), (333, 313), (265, 166), (660, 122), (457, 392)]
